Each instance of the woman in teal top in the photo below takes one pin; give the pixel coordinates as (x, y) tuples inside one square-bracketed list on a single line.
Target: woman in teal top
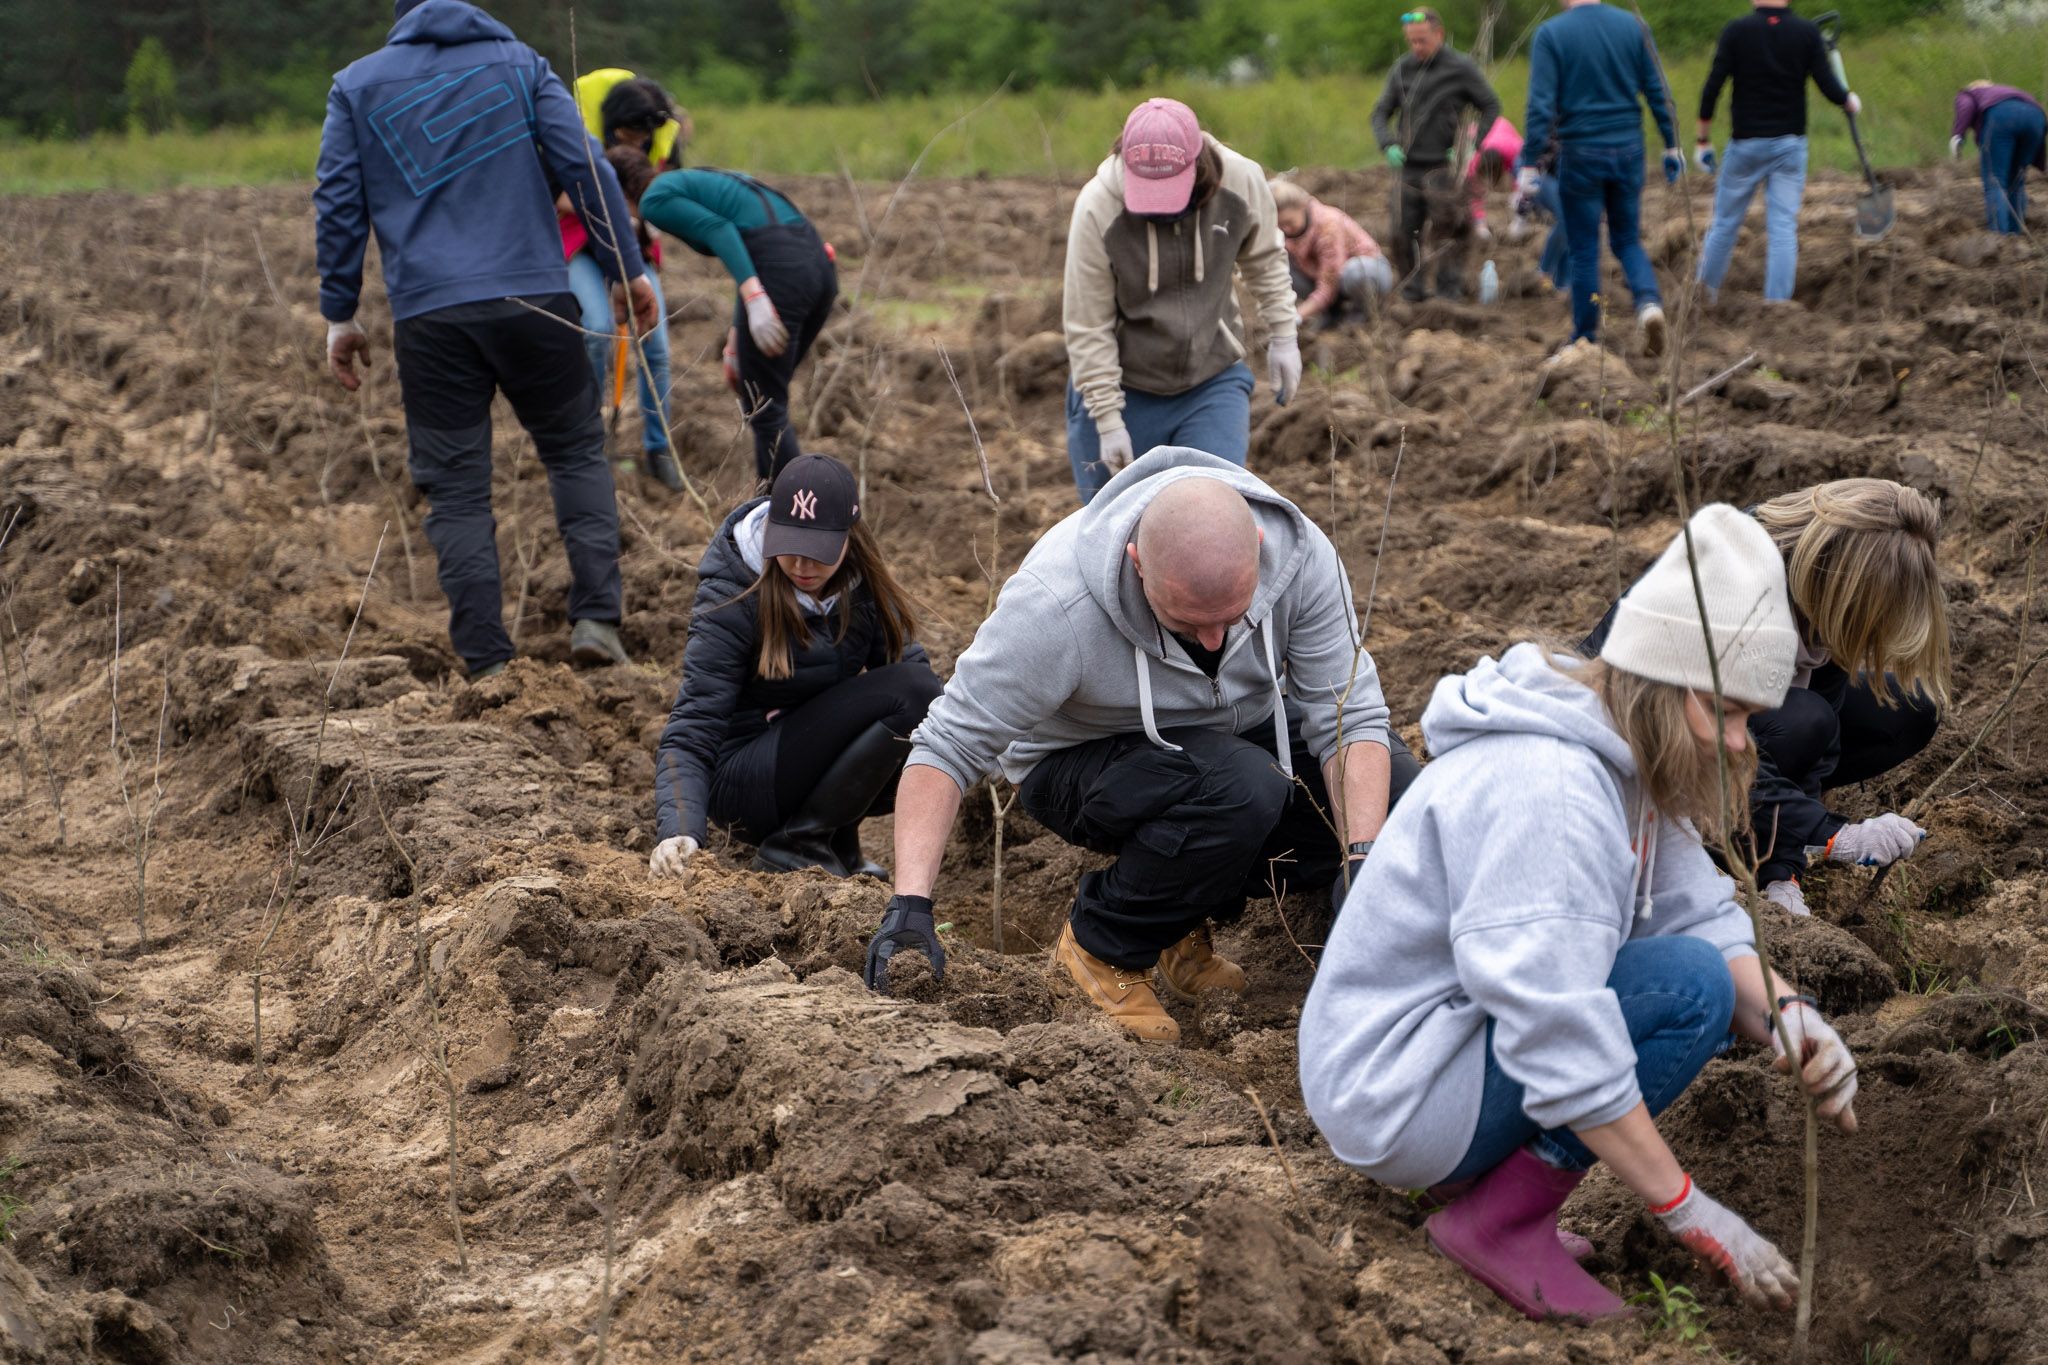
[(787, 284)]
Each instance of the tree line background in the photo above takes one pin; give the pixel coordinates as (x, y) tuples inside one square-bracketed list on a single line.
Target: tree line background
[(71, 69)]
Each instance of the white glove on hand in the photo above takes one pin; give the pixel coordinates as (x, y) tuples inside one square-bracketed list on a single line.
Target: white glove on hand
[(1874, 843), (1527, 180), (1852, 104), (345, 341), (670, 855), (1283, 367), (1115, 448), (1955, 148), (764, 324), (1826, 1067), (1787, 896), (1722, 1240), (1481, 231)]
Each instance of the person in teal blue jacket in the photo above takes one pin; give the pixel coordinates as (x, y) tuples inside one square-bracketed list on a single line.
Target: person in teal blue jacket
[(787, 286)]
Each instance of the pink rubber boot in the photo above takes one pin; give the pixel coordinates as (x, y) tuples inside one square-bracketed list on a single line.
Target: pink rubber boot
[(1504, 1234), (1438, 1197)]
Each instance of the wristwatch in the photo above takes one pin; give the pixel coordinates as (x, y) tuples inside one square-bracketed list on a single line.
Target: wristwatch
[(1355, 851)]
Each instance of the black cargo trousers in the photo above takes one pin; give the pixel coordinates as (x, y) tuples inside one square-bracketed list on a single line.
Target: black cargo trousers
[(1196, 833), (451, 362)]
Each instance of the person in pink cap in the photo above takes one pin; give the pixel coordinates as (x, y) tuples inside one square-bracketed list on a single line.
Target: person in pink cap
[(1156, 346)]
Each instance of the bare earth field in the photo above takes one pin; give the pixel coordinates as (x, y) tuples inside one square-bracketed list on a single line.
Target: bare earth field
[(783, 1166)]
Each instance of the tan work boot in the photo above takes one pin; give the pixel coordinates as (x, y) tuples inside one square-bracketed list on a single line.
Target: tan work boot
[(1193, 965), (1124, 996)]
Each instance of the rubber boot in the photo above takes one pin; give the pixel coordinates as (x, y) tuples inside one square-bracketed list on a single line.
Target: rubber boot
[(1438, 1197), (1125, 996), (666, 469), (841, 798), (1193, 965), (846, 843), (1504, 1234), (596, 644)]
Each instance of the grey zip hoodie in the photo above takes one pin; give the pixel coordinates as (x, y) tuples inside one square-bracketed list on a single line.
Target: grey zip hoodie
[(1072, 652), (1504, 883)]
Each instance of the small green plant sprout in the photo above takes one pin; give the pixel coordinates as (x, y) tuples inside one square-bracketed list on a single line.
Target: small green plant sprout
[(1880, 1353), (1180, 1095), (1925, 978), (1674, 1312)]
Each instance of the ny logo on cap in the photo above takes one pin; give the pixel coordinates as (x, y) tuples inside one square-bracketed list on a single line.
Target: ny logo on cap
[(804, 504)]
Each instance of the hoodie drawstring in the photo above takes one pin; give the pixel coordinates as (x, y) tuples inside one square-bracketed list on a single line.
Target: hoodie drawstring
[(1152, 257), (1645, 850), (1283, 743), (1198, 248), (1145, 701)]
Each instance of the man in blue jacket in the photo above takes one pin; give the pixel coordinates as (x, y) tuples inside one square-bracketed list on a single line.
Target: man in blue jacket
[(450, 142), (1591, 70)]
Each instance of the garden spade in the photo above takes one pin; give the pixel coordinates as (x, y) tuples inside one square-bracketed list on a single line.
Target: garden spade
[(1874, 211)]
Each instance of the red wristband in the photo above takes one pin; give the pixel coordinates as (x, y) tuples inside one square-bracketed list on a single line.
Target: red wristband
[(1661, 1209)]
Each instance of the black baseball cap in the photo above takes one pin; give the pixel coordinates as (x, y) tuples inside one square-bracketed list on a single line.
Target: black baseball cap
[(813, 507)]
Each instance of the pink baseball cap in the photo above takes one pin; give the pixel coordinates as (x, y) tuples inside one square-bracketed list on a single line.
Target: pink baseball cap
[(1162, 139)]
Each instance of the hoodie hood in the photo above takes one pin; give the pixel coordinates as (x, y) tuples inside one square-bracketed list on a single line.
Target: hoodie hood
[(1526, 692), (1107, 525), (444, 23)]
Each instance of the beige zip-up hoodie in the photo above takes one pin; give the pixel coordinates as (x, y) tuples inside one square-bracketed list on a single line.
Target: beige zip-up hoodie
[(1151, 306)]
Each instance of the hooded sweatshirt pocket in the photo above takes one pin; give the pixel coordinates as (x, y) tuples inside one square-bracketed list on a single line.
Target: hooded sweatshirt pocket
[(1230, 338)]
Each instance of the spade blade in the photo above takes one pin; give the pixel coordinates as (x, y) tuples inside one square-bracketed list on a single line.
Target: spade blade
[(1875, 214)]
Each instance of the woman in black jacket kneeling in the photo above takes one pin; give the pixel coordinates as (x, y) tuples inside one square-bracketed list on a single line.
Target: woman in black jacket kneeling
[(801, 684)]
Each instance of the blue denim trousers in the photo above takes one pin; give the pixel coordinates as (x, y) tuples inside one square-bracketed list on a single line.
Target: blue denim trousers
[(1215, 416), (593, 296), (2008, 140), (1557, 247), (1678, 1000), (1595, 181), (1778, 165)]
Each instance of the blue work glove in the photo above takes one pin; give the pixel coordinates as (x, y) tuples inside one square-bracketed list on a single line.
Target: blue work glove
[(1703, 157), (1396, 157), (1674, 165), (907, 923)]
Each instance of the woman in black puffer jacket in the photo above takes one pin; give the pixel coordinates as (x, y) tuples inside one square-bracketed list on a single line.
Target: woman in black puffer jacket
[(801, 684)]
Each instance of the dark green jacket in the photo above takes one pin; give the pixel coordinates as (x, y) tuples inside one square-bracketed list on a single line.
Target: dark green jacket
[(1431, 98)]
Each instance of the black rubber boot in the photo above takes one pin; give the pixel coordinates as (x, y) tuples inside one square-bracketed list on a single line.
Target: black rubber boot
[(846, 843), (842, 798)]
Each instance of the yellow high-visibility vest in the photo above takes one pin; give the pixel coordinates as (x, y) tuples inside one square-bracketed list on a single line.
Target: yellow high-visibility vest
[(593, 86)]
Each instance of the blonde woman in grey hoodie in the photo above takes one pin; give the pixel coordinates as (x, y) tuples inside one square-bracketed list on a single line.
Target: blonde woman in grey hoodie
[(1156, 346), (1539, 955)]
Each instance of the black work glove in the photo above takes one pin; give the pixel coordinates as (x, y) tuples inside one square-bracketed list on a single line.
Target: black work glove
[(1354, 864), (907, 923)]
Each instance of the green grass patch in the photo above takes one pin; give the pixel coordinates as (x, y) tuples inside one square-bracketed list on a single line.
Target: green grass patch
[(1907, 79)]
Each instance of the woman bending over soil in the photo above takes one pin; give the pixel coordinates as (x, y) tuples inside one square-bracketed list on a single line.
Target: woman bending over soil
[(1871, 674), (801, 684), (1549, 956)]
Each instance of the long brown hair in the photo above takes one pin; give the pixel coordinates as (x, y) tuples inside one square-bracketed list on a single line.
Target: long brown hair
[(1681, 776), (781, 621), (1860, 567)]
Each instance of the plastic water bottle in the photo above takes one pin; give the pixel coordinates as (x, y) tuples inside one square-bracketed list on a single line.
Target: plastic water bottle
[(1489, 284)]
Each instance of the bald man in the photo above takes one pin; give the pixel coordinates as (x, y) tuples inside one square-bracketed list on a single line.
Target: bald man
[(1173, 676)]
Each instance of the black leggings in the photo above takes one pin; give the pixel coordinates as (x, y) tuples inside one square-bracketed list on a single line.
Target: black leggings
[(769, 780)]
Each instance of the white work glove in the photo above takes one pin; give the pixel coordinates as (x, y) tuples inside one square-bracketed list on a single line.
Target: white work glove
[(1874, 843), (1759, 1272), (1482, 231), (345, 341), (1852, 104), (1674, 165), (1703, 158), (1114, 448), (1955, 148), (1787, 896), (764, 324), (670, 855), (1283, 367), (1527, 180), (1518, 226), (1826, 1067)]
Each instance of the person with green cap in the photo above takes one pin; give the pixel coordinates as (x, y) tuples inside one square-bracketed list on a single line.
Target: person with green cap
[(1428, 91)]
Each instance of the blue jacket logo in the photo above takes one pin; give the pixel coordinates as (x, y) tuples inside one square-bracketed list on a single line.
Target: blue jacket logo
[(454, 122)]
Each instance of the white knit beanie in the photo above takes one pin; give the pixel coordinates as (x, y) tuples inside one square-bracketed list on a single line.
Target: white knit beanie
[(1656, 632)]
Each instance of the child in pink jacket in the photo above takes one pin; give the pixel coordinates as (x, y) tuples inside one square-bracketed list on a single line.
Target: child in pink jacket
[(1335, 264), (1492, 166)]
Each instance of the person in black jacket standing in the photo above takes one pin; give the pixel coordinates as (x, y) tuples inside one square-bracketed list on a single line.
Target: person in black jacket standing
[(801, 684), (1770, 55), (1430, 90)]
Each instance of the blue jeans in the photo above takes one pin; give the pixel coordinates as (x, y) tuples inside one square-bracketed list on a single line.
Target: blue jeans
[(1215, 416), (1779, 165), (593, 296), (1557, 255), (2008, 140), (1596, 180), (1678, 1000)]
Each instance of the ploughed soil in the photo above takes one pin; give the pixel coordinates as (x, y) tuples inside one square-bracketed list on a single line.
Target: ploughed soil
[(681, 1125)]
